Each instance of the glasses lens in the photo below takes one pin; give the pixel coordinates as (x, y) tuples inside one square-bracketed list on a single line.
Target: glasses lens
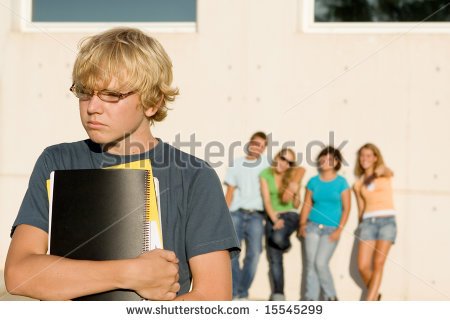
[(81, 92), (109, 97)]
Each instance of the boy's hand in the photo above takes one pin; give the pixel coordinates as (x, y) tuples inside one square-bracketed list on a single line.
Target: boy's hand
[(154, 275)]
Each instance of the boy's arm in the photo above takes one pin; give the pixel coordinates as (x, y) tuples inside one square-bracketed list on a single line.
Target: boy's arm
[(29, 271), (229, 194), (211, 277)]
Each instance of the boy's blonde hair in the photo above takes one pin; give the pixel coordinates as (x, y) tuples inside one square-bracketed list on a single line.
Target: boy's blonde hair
[(134, 60)]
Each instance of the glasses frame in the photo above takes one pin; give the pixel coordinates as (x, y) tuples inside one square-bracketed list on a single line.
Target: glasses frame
[(119, 95)]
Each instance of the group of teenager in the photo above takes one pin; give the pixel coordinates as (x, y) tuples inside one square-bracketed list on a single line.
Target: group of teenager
[(122, 79), (264, 201)]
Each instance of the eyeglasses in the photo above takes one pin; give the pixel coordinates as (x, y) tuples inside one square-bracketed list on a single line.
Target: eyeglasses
[(106, 95), (291, 163)]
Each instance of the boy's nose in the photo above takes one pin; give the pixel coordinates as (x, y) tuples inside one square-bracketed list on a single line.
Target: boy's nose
[(95, 105)]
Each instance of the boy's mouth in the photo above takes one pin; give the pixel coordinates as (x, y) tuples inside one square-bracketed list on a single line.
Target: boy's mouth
[(95, 124)]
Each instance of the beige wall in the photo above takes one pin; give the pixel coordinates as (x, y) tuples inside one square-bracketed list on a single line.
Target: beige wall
[(248, 68)]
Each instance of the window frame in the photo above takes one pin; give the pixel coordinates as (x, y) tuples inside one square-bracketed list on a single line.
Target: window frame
[(24, 23), (308, 25)]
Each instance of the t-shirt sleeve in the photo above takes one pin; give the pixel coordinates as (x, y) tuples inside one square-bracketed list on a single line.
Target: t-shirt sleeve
[(34, 208), (344, 184), (310, 184), (209, 227)]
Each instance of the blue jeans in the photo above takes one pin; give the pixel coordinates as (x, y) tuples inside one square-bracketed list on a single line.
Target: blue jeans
[(277, 243), (250, 229), (318, 250)]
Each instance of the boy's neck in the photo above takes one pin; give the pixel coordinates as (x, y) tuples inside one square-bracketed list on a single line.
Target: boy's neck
[(128, 146), (252, 157)]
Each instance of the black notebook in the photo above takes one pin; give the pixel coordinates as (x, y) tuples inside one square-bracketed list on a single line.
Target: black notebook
[(104, 214)]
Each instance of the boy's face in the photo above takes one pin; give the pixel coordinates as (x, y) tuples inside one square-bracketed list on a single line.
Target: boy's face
[(107, 123), (256, 146)]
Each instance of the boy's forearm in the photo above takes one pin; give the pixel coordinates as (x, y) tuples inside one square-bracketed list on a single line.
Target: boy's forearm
[(197, 296), (47, 277), (191, 296), (31, 272), (229, 195), (211, 278)]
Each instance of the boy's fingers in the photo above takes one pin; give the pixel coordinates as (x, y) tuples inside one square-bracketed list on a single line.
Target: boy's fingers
[(168, 255)]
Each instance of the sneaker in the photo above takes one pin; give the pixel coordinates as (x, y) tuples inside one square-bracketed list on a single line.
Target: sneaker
[(277, 297), (333, 298)]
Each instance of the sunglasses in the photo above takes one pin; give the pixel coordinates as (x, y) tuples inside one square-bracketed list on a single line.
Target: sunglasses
[(291, 163)]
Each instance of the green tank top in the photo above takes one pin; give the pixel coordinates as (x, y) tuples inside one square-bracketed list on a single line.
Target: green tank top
[(275, 200)]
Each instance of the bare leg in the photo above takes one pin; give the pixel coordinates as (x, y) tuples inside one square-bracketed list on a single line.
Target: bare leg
[(381, 251), (366, 251)]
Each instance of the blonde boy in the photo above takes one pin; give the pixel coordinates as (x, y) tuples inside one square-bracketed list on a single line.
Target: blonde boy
[(122, 79)]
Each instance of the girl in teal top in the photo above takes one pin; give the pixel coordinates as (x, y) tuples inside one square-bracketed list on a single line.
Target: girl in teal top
[(323, 216), (280, 190), (327, 198)]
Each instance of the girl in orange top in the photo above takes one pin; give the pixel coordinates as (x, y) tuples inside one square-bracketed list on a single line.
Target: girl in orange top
[(377, 227)]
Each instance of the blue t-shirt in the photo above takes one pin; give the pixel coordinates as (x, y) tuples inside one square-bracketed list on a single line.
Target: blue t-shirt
[(244, 176), (194, 216), (327, 200)]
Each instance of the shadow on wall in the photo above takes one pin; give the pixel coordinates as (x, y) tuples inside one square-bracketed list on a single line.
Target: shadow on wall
[(303, 283), (353, 269)]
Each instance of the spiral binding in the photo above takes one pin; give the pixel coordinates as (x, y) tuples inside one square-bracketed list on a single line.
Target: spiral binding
[(146, 216)]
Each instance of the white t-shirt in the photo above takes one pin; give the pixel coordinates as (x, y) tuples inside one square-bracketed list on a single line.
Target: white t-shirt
[(244, 176)]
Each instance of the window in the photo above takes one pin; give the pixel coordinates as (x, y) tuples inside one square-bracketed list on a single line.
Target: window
[(376, 15), (88, 15)]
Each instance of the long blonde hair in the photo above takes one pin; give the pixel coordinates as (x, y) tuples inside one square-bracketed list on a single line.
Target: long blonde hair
[(287, 175), (359, 171)]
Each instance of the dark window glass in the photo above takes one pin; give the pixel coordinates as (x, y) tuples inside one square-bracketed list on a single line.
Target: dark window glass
[(114, 11), (381, 10)]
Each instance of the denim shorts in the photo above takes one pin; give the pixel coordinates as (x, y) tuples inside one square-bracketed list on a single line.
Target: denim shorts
[(378, 228)]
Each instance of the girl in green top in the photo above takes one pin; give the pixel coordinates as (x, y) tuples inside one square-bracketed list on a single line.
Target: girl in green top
[(280, 186)]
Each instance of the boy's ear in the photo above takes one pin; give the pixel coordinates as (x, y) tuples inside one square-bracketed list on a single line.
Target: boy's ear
[(153, 110)]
